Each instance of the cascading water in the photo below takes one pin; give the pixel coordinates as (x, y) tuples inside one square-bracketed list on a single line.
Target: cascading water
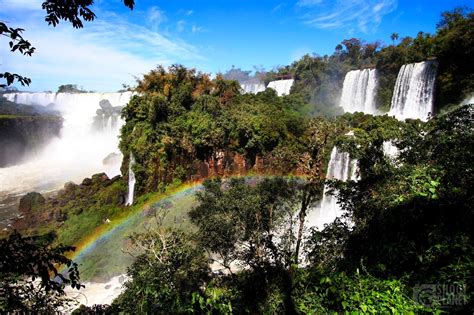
[(252, 88), (358, 91), (340, 167), (131, 180), (282, 87), (80, 150), (413, 93)]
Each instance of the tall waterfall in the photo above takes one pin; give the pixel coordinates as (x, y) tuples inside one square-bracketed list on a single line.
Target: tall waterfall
[(78, 153), (252, 87), (341, 167), (413, 93), (358, 91), (282, 87), (131, 180)]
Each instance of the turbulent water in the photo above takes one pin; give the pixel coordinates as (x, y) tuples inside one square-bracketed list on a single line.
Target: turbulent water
[(131, 180), (358, 91), (252, 88), (414, 89), (341, 167), (282, 87), (78, 153)]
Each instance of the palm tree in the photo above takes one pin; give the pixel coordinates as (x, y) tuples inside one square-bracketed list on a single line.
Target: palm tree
[(394, 37)]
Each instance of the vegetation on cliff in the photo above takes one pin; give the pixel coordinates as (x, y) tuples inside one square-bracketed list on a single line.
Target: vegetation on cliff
[(319, 78), (183, 121), (76, 210)]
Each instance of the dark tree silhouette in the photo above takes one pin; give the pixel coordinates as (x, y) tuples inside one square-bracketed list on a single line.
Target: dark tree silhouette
[(73, 11), (394, 37), (30, 274)]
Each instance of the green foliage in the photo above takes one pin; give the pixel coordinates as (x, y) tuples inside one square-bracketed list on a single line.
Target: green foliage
[(240, 223), (454, 49), (182, 117), (29, 275), (212, 301), (77, 210), (69, 88), (412, 213), (340, 293), (168, 269)]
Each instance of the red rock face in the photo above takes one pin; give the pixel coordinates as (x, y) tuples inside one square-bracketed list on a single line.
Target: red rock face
[(221, 164), (226, 163)]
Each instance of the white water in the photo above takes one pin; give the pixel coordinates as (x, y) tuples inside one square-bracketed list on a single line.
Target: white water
[(390, 149), (282, 87), (252, 88), (358, 91), (468, 100), (340, 167), (131, 181), (96, 292), (414, 89), (78, 153)]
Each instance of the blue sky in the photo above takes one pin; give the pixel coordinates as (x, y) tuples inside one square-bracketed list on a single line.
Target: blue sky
[(208, 35)]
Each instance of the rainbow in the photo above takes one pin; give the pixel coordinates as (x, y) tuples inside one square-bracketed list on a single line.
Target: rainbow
[(103, 232)]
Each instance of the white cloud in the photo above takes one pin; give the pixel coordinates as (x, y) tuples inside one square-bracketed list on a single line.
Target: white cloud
[(189, 13), (344, 14), (196, 29), (30, 5), (156, 16), (180, 25), (278, 7), (106, 53)]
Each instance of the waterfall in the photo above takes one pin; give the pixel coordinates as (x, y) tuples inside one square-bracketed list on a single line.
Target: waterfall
[(282, 87), (413, 93), (340, 167), (78, 153), (108, 127), (358, 91), (252, 88), (131, 180)]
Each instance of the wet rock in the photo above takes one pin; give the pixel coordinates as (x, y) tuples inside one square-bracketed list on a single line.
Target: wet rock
[(99, 178), (117, 109), (86, 182), (30, 202), (70, 186), (106, 106)]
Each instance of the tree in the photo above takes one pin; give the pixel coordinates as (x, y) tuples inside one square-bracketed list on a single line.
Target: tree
[(29, 276), (394, 37), (245, 225), (318, 135), (69, 88), (16, 43), (169, 267), (73, 11)]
